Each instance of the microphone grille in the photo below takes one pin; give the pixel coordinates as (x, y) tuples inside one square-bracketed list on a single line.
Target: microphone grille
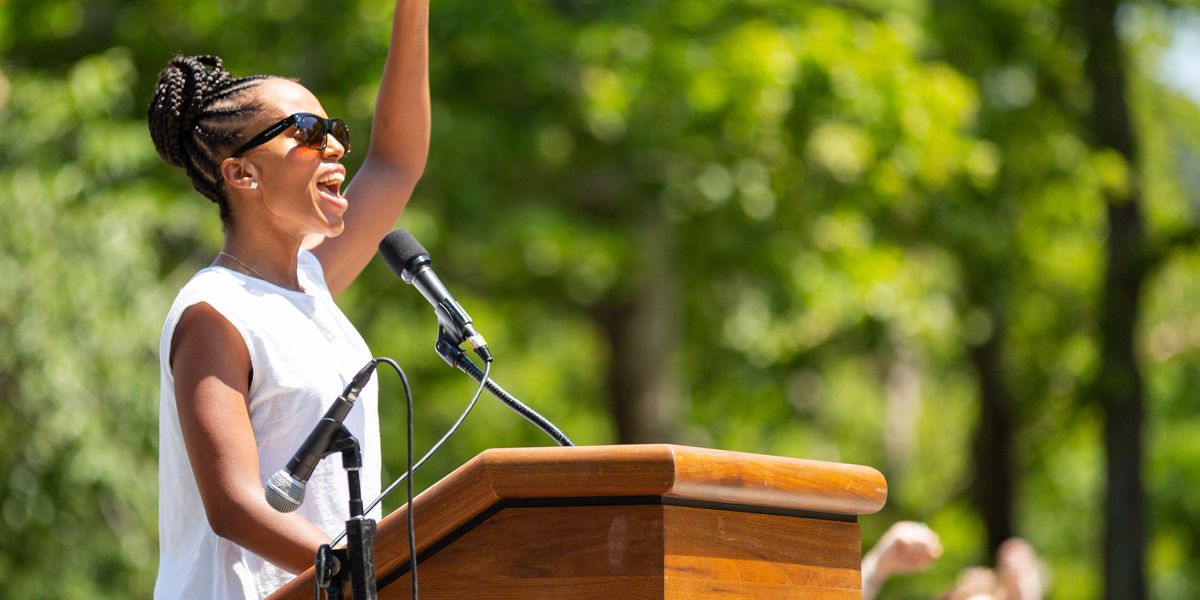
[(284, 493)]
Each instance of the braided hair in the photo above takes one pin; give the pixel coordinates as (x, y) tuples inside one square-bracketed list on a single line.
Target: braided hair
[(196, 120)]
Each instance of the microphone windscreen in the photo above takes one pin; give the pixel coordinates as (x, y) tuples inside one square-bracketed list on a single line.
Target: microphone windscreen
[(398, 248)]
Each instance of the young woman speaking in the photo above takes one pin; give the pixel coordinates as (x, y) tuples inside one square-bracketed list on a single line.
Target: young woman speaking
[(254, 348)]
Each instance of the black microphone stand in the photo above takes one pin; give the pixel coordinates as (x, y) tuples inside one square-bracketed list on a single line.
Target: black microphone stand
[(359, 553)]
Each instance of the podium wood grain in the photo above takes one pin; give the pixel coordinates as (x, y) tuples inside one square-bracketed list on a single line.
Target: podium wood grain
[(644, 521)]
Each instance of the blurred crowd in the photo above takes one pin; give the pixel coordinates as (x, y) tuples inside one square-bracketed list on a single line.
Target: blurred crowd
[(909, 547)]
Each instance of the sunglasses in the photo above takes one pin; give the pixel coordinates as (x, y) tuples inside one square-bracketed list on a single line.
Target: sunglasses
[(313, 132)]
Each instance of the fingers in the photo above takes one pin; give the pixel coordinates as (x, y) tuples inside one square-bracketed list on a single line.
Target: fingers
[(1020, 573), (908, 546)]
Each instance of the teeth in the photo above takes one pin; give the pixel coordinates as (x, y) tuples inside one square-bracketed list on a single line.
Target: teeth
[(336, 178)]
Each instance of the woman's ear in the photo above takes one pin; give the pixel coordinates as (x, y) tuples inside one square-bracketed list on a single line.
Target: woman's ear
[(239, 174)]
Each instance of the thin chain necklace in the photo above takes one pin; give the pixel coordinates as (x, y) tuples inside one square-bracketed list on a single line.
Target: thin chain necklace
[(244, 265)]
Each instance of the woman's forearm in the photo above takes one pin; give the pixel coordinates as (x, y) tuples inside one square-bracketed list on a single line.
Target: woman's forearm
[(400, 133), (397, 154), (287, 540)]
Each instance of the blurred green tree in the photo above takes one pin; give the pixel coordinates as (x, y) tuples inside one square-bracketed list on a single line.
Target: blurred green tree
[(79, 272), (874, 231)]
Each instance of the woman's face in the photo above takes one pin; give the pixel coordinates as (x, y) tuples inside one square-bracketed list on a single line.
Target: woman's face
[(298, 188)]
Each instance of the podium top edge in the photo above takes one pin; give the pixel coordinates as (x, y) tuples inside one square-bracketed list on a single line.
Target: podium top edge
[(682, 472)]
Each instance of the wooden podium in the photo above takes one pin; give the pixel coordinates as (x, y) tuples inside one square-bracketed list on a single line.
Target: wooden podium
[(630, 522)]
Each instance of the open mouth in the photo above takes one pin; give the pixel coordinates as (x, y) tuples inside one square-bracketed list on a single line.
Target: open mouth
[(330, 187)]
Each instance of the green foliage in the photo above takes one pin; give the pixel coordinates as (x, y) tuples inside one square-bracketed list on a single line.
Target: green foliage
[(850, 198), (79, 274)]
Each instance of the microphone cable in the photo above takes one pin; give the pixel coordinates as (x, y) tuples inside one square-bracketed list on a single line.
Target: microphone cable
[(449, 432), (412, 534)]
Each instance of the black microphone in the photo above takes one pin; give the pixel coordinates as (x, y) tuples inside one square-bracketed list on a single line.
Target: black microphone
[(410, 262), (285, 490)]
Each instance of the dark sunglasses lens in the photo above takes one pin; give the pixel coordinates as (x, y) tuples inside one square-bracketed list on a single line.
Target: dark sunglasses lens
[(341, 132), (312, 129)]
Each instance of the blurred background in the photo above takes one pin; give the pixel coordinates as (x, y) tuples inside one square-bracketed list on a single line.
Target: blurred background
[(956, 241)]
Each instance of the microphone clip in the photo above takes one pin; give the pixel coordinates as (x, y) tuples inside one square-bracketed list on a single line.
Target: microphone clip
[(447, 347), (345, 443)]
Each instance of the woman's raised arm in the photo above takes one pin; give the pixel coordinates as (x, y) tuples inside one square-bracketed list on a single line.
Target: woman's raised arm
[(398, 150)]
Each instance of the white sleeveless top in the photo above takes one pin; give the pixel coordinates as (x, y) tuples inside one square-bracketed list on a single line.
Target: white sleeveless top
[(303, 352)]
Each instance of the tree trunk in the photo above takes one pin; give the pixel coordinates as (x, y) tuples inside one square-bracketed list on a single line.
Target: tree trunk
[(993, 489), (1119, 384), (642, 332)]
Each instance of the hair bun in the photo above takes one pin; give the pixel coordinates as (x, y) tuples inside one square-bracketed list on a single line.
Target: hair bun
[(196, 120), (183, 89)]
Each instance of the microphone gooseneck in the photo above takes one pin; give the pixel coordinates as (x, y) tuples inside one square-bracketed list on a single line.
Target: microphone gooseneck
[(456, 358)]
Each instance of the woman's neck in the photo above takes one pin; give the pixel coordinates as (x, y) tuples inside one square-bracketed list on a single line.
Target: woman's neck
[(271, 258)]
